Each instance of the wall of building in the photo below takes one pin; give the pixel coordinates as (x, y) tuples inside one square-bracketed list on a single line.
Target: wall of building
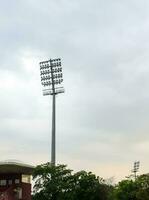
[(11, 186)]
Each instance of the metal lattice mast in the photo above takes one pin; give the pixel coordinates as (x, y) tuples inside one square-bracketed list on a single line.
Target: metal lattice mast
[(51, 80)]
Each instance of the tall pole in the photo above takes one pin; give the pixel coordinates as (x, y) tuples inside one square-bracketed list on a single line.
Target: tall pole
[(53, 143), (51, 78)]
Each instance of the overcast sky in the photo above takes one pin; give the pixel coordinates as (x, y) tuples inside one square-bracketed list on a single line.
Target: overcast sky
[(102, 118)]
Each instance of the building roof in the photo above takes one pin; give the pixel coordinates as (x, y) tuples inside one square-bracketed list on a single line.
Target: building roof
[(15, 168)]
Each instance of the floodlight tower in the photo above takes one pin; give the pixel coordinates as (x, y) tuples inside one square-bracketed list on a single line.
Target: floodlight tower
[(51, 79), (136, 168)]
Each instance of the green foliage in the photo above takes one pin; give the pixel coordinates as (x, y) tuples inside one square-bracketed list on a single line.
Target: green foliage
[(58, 183), (88, 186), (125, 190), (52, 182), (143, 187), (132, 190)]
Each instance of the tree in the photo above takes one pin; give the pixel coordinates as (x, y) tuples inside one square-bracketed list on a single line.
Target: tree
[(132, 189), (125, 190), (52, 182), (143, 187), (89, 187), (58, 183)]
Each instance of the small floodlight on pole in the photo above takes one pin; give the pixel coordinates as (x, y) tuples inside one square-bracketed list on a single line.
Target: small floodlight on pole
[(136, 168), (51, 79)]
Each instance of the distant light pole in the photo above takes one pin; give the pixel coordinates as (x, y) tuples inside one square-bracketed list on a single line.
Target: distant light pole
[(136, 168), (51, 79)]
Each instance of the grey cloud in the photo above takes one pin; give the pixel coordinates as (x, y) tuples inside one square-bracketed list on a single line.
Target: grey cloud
[(104, 49)]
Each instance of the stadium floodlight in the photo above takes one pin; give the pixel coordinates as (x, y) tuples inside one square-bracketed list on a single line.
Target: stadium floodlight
[(51, 80), (136, 168)]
